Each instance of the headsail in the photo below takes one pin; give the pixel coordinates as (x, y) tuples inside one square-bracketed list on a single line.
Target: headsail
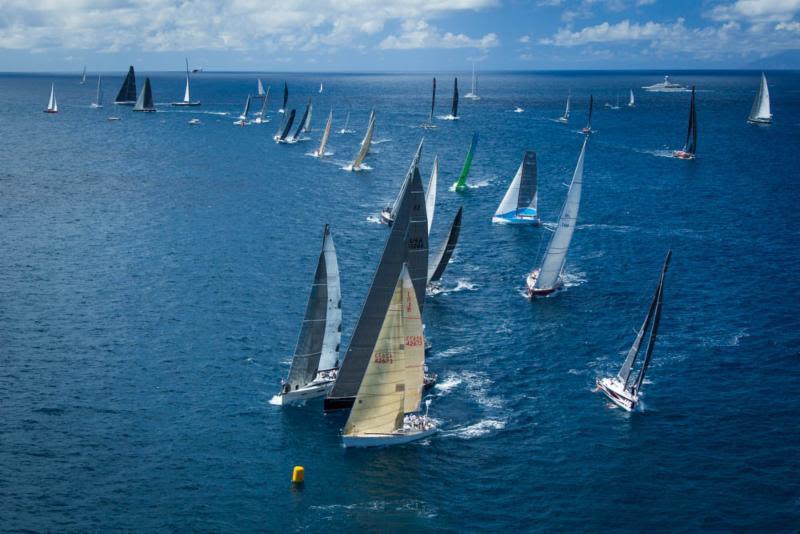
[(522, 193), (461, 183), (186, 97), (454, 110), (127, 93), (556, 254), (287, 126), (325, 134), (413, 345), (430, 193), (760, 112), (442, 258), (260, 88), (302, 124), (365, 143), (145, 100), (651, 341), (690, 146)]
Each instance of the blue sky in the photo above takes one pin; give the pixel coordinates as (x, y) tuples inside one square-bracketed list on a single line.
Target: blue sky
[(347, 35)]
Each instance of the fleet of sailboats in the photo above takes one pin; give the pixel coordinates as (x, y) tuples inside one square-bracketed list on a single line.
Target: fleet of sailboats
[(546, 278), (519, 205), (690, 145), (619, 389), (187, 98), (760, 112)]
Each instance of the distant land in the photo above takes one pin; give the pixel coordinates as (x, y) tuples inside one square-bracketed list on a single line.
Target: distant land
[(786, 60)]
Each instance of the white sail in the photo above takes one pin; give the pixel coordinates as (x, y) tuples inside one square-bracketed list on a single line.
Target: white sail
[(307, 124), (473, 92), (380, 401), (320, 88), (365, 143), (333, 326), (509, 202), (83, 76), (631, 100), (325, 134), (430, 193), (760, 111), (556, 253), (52, 105), (260, 88), (413, 346)]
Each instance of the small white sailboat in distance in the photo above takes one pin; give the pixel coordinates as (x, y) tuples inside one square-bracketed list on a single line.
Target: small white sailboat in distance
[(83, 76), (316, 356), (518, 109), (187, 99), (520, 201), (321, 88), (52, 104), (546, 279), (385, 411), (242, 120), (564, 119), (760, 112), (616, 388), (344, 129), (320, 152), (631, 100), (261, 92), (473, 92), (261, 115), (98, 98)]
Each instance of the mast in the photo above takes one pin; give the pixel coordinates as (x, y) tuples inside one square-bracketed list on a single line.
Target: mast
[(461, 183), (326, 133), (127, 93), (285, 95), (445, 252), (474, 90), (651, 341), (186, 97), (430, 193), (556, 254), (433, 101), (145, 100), (454, 110)]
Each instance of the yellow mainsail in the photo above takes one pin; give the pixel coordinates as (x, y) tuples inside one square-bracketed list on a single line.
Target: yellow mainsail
[(414, 346)]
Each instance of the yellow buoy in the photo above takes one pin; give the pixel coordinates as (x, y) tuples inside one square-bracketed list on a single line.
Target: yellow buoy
[(298, 474)]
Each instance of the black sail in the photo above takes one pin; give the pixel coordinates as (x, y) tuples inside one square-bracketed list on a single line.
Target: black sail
[(287, 126), (454, 111), (444, 254), (690, 145), (433, 101), (407, 179), (410, 218), (309, 344), (127, 93), (302, 122), (651, 342), (145, 100), (527, 183), (285, 95), (591, 107)]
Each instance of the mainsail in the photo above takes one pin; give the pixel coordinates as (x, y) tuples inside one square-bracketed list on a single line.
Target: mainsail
[(473, 93), (325, 134), (302, 124), (83, 76), (407, 242), (246, 109), (413, 345), (556, 254), (287, 125), (329, 358), (442, 258), (260, 88), (285, 97), (631, 100), (433, 102), (454, 110), (566, 110), (588, 127), (461, 183), (522, 193), (186, 96), (760, 112), (52, 104), (365, 143), (690, 146), (407, 180), (145, 100), (264, 106), (430, 193), (127, 93), (307, 122), (98, 99)]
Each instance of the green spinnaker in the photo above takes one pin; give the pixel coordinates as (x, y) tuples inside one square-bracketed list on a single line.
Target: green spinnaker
[(461, 184)]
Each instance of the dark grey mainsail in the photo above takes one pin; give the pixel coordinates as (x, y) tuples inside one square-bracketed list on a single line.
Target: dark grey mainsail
[(527, 183), (407, 243), (285, 95), (287, 126), (145, 100), (127, 93), (454, 111), (690, 146), (433, 101), (654, 316), (302, 122), (407, 179), (589, 120), (309, 344), (442, 258)]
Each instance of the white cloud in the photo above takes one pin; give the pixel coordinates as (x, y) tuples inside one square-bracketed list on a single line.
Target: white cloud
[(793, 26), (640, 3), (622, 31), (525, 39), (756, 10), (420, 34)]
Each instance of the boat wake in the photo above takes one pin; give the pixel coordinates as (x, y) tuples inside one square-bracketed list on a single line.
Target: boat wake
[(381, 141), (420, 508), (345, 132), (446, 118), (462, 284), (658, 153), (476, 185), (453, 351), (362, 167), (276, 400), (477, 430), (316, 155), (374, 219), (573, 279), (444, 387)]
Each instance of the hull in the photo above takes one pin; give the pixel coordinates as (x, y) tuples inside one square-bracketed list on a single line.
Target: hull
[(533, 291), (586, 130), (386, 217), (523, 216), (125, 102), (50, 111), (759, 120), (472, 96), (385, 440), (563, 120), (334, 404), (680, 154), (145, 110), (196, 103), (305, 393), (617, 394)]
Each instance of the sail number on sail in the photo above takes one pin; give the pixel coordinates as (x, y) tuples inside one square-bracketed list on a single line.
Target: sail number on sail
[(384, 357), (414, 341)]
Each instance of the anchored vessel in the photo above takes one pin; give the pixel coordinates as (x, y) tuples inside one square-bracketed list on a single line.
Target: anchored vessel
[(127, 93), (389, 395), (547, 278), (588, 128), (187, 99), (316, 356), (665, 87), (760, 112), (617, 388), (461, 183), (145, 101), (52, 104), (690, 145), (519, 204)]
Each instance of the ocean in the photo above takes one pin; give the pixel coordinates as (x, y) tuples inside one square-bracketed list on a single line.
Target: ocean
[(154, 275)]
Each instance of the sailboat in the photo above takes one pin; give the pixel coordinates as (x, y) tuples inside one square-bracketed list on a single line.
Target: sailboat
[(389, 213), (390, 393), (473, 92), (261, 92), (127, 93), (437, 266), (617, 388), (690, 146), (98, 99), (261, 115), (429, 124), (547, 278), (454, 108), (316, 356), (285, 98), (145, 101), (187, 99), (344, 129), (564, 119), (358, 162), (760, 112), (520, 202), (407, 245), (83, 76), (461, 183), (307, 122), (320, 152), (588, 128), (631, 100), (302, 124), (242, 120), (321, 88), (613, 106), (280, 137), (52, 104)]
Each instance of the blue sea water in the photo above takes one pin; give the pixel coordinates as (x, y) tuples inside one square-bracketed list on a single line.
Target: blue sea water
[(153, 277)]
